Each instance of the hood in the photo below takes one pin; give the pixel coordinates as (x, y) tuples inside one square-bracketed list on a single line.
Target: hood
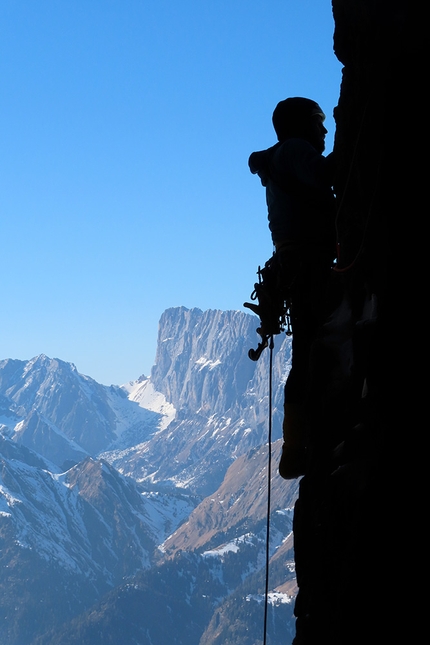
[(259, 163)]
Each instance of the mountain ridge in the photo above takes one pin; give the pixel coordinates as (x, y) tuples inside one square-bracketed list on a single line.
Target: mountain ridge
[(115, 502)]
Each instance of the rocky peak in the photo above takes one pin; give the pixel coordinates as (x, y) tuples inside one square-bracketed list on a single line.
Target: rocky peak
[(196, 350)]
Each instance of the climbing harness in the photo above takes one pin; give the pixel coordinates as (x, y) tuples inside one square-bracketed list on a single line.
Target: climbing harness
[(273, 306)]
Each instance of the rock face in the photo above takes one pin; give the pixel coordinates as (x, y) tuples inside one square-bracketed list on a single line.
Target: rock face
[(186, 363), (197, 351), (220, 397), (342, 514)]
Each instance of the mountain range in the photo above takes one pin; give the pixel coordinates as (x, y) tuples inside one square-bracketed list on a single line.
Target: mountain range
[(138, 513)]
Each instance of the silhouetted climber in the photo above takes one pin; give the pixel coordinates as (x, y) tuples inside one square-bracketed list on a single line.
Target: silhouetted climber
[(300, 201)]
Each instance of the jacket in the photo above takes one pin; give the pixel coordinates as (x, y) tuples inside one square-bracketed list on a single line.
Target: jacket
[(300, 200)]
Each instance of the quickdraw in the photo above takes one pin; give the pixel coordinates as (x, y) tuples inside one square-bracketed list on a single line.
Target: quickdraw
[(273, 306)]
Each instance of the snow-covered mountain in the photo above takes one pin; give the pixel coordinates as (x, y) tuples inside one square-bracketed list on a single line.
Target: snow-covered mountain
[(220, 397), (101, 484), (48, 406)]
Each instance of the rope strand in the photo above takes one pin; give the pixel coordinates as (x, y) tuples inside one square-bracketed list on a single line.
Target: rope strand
[(269, 477)]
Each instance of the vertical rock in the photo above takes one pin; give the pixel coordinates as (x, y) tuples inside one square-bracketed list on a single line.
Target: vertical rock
[(343, 510)]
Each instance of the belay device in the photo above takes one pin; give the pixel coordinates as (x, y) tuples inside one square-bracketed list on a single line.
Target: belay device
[(273, 306)]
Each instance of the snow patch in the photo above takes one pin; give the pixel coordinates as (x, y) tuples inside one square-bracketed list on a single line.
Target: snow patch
[(273, 598), (206, 362), (146, 396), (230, 547)]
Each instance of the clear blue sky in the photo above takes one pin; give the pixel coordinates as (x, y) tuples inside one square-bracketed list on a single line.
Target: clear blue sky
[(125, 131)]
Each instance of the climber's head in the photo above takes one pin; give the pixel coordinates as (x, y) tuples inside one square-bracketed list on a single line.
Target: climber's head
[(300, 117)]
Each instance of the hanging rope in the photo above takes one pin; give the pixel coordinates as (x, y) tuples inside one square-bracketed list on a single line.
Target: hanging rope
[(269, 487)]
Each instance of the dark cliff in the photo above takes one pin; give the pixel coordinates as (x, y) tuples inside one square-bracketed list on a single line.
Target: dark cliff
[(342, 516)]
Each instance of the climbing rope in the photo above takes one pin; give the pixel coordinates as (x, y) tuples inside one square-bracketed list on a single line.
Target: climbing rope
[(269, 487)]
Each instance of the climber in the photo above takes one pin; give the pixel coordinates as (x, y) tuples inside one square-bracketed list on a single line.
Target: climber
[(300, 201)]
